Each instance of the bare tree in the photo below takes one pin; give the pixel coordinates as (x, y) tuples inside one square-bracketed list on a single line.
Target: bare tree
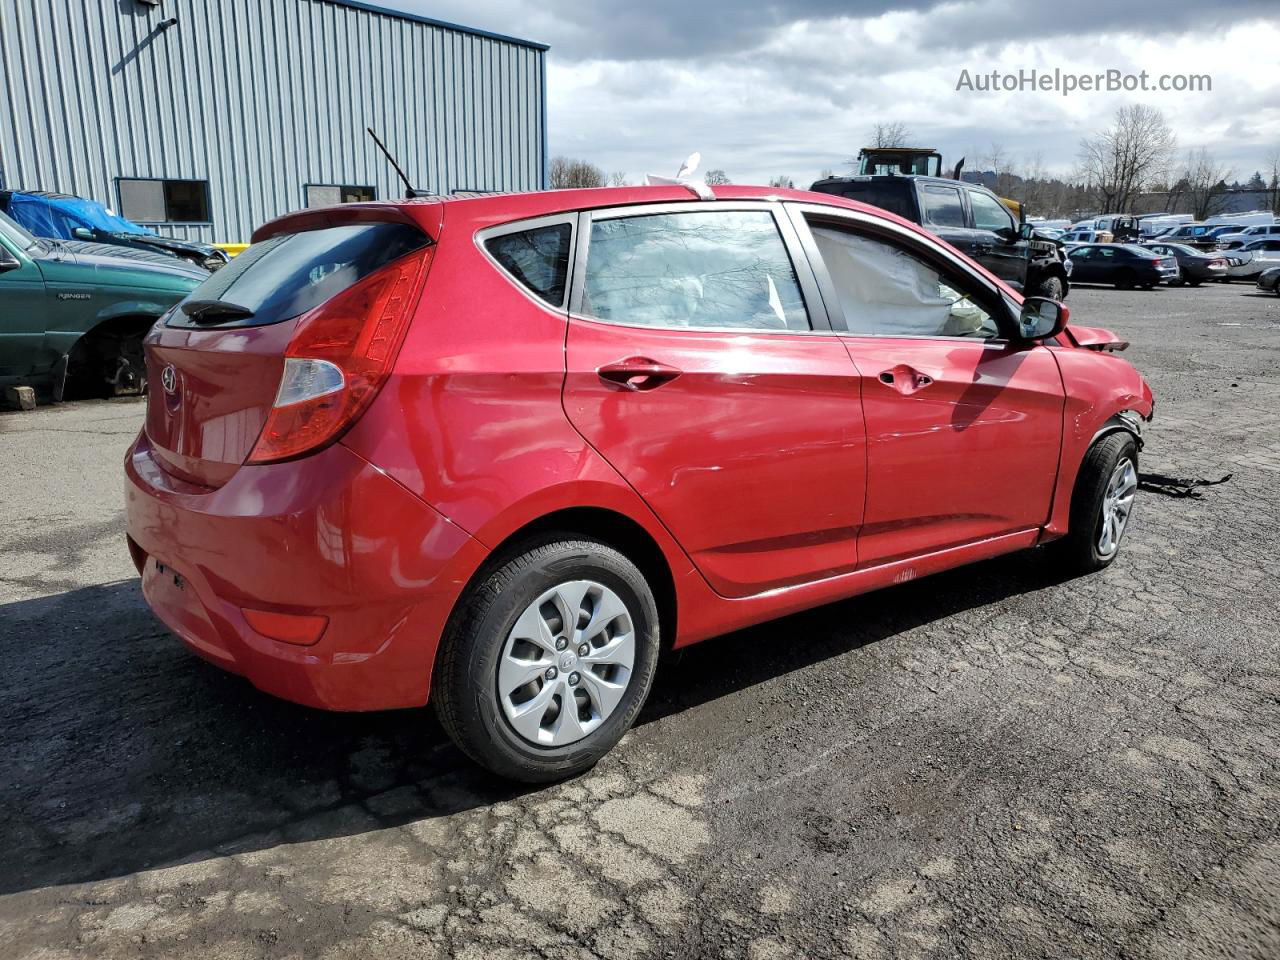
[(783, 181), (826, 173), (998, 161), (1124, 159), (716, 178), (1206, 187), (892, 134), (1273, 183), (568, 173), (618, 179)]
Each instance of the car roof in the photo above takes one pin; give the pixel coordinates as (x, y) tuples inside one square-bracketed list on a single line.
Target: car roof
[(904, 178), (500, 208), (43, 194)]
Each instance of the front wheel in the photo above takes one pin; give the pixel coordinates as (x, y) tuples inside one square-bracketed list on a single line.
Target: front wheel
[(548, 660), (1051, 287), (1101, 505)]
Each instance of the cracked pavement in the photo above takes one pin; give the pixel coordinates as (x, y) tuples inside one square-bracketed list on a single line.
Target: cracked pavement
[(988, 763)]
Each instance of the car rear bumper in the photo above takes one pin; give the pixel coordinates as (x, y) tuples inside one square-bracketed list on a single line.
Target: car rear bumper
[(326, 536)]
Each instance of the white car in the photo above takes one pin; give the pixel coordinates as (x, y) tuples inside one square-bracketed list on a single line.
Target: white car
[(1247, 234), (1263, 255)]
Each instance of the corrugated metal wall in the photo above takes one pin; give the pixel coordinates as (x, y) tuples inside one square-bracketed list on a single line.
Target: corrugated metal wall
[(261, 97)]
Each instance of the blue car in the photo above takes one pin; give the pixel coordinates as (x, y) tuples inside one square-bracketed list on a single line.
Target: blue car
[(58, 216)]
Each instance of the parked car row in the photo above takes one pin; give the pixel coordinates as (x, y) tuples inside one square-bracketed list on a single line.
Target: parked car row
[(1160, 261)]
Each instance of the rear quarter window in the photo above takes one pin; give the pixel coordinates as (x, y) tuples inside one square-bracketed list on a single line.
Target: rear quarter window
[(537, 259), (894, 198), (286, 275)]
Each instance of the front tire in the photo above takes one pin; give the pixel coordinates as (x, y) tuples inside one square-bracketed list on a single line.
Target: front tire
[(548, 660), (1051, 287), (1101, 505)]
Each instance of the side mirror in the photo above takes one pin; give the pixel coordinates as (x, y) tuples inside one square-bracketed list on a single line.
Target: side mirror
[(82, 233), (8, 261), (1026, 231), (1042, 318)]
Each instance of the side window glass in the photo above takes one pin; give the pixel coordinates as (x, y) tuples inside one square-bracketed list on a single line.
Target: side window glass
[(886, 292), (538, 259), (720, 269), (989, 213), (942, 206)]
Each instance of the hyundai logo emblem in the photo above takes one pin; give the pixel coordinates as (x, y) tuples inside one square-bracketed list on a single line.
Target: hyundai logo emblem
[(169, 378)]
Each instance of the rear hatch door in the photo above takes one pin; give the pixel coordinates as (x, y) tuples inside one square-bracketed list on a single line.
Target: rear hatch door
[(214, 362)]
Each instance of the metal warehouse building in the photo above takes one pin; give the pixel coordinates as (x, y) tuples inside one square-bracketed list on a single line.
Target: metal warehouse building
[(204, 118)]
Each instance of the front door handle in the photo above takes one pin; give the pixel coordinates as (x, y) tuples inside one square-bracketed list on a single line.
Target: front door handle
[(637, 373), (905, 378)]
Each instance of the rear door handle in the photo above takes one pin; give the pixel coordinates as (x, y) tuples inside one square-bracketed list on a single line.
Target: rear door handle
[(637, 373)]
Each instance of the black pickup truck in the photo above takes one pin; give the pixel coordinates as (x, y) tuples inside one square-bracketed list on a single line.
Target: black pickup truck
[(972, 219)]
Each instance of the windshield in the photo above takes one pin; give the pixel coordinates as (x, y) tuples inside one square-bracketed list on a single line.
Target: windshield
[(59, 217), (288, 274), (16, 234)]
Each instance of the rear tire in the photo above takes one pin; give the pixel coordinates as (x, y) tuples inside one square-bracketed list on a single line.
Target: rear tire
[(107, 362), (1086, 547), (515, 622)]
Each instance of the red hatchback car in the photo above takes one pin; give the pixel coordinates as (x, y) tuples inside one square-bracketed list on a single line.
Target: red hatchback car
[(499, 451)]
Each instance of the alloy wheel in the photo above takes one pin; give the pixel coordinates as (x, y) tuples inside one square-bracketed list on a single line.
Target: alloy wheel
[(1117, 505)]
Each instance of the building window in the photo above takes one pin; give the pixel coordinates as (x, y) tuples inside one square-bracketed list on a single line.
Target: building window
[(328, 195), (164, 201)]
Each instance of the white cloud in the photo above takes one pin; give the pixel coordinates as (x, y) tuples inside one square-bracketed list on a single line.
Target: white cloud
[(794, 87)]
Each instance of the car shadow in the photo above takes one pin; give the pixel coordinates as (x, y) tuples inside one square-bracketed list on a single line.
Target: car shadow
[(126, 752)]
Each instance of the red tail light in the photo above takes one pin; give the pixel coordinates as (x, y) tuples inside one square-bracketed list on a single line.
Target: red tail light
[(338, 359)]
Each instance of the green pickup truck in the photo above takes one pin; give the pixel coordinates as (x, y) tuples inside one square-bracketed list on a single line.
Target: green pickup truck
[(73, 317)]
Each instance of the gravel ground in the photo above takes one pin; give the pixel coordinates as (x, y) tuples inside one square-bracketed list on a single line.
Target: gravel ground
[(988, 763)]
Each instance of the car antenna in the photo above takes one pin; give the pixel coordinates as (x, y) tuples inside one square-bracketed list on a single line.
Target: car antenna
[(410, 192)]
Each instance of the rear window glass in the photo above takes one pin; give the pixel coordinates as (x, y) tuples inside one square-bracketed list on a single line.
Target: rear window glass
[(892, 198), (288, 274), (538, 259)]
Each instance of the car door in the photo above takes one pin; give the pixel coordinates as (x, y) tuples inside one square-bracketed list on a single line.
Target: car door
[(25, 299), (963, 424), (942, 213), (1000, 249), (700, 364), (1084, 264)]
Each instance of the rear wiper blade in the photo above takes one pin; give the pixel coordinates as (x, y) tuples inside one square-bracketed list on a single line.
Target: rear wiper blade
[(215, 311)]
